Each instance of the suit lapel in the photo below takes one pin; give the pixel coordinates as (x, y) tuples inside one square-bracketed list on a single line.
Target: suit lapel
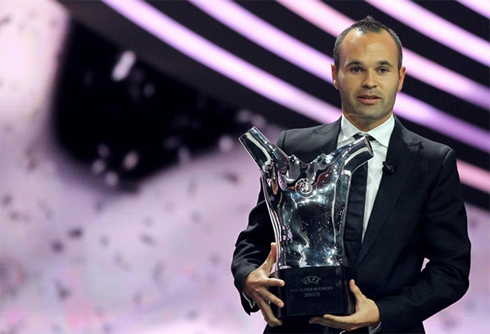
[(327, 137), (402, 153)]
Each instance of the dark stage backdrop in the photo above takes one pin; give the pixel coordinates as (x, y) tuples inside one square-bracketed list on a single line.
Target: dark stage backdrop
[(273, 58)]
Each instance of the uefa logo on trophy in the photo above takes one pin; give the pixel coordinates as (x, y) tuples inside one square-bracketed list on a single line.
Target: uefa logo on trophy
[(307, 202)]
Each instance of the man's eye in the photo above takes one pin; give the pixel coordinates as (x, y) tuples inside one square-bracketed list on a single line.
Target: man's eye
[(356, 69), (383, 70)]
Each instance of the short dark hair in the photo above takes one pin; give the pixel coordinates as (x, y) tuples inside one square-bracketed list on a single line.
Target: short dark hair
[(368, 24)]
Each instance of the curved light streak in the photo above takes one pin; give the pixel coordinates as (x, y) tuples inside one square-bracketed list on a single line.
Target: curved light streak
[(481, 7), (268, 36), (474, 177), (317, 63), (334, 22), (424, 114), (436, 28), (202, 50), (222, 61)]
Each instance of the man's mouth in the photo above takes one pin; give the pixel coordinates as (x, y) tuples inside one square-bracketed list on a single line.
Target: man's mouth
[(368, 99)]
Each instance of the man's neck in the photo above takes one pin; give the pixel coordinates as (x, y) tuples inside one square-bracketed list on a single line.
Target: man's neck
[(365, 125)]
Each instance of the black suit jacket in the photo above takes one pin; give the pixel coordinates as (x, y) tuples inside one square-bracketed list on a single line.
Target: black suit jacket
[(418, 213)]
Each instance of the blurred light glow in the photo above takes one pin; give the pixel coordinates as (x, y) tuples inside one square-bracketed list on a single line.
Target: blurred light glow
[(226, 143), (222, 61), (268, 36), (209, 54), (149, 89), (172, 143), (437, 28), (103, 150), (98, 166), (123, 66), (313, 61), (111, 179), (131, 160), (474, 177), (334, 22), (480, 6), (422, 113)]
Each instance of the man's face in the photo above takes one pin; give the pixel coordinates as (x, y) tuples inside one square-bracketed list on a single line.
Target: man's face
[(368, 77)]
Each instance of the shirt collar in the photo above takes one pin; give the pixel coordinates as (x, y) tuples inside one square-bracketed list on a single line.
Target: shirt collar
[(381, 133)]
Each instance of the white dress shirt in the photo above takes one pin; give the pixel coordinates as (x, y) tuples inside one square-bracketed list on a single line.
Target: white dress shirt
[(382, 134)]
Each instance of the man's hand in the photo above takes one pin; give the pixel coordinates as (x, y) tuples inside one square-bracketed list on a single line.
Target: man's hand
[(257, 284), (367, 313)]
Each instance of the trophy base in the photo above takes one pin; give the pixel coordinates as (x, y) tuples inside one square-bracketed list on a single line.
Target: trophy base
[(313, 291)]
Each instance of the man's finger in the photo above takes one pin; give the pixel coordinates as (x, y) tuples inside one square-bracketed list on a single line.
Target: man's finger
[(324, 322), (268, 314), (355, 289), (339, 319), (271, 259), (273, 299), (274, 282)]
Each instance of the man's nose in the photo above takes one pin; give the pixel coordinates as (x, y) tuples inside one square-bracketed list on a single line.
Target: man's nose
[(369, 80)]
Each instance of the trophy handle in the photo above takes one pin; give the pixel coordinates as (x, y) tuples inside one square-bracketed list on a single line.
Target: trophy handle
[(262, 150)]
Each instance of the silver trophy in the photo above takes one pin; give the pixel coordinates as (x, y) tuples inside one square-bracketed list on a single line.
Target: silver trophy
[(307, 204)]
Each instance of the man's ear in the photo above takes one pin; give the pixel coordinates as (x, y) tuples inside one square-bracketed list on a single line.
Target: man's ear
[(401, 78), (334, 76)]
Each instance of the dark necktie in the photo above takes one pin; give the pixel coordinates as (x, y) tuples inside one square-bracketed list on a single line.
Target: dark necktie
[(355, 212)]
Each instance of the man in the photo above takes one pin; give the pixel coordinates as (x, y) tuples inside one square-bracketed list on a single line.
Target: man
[(413, 211)]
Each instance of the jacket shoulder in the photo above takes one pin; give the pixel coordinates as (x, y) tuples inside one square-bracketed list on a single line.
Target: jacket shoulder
[(429, 149), (308, 143)]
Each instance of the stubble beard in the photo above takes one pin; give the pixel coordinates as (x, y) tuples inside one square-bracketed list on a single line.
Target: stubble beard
[(367, 116)]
